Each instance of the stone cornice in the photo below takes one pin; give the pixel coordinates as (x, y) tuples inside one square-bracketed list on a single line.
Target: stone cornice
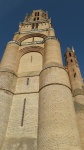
[(50, 38), (32, 43), (14, 42), (34, 30)]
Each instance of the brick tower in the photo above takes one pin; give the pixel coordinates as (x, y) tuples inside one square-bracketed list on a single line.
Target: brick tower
[(37, 92), (77, 87)]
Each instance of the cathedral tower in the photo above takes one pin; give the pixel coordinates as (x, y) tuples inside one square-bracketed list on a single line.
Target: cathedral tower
[(37, 91)]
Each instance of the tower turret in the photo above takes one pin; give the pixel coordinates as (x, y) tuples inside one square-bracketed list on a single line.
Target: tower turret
[(77, 89), (74, 71)]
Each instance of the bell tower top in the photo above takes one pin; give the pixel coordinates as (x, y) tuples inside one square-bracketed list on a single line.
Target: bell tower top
[(38, 19), (37, 15)]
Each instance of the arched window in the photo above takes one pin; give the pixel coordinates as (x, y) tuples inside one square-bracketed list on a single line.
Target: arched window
[(70, 54), (38, 13), (34, 19)]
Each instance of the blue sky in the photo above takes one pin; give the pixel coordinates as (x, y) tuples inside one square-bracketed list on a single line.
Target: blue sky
[(67, 20)]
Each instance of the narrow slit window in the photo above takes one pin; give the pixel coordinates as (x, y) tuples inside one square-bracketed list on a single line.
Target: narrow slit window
[(33, 39), (23, 112), (71, 60), (27, 81), (33, 25), (70, 54), (31, 58), (36, 25), (74, 75)]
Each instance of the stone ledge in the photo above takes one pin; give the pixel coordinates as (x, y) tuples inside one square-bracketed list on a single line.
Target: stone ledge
[(14, 42), (53, 84), (32, 31)]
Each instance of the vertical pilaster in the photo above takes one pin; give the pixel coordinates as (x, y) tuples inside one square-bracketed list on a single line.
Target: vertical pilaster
[(57, 127)]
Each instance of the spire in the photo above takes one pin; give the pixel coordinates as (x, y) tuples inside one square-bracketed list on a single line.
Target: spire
[(73, 49), (26, 18)]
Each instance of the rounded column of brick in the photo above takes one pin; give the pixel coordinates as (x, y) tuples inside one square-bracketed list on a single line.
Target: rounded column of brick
[(57, 127), (8, 71), (52, 53)]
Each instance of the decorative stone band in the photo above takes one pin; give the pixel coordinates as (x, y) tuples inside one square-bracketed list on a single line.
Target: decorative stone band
[(77, 92), (34, 30), (38, 42), (49, 38), (9, 92), (14, 42), (32, 43), (54, 84)]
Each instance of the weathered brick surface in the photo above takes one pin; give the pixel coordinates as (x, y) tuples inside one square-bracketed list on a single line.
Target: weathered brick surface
[(30, 62), (54, 75), (52, 52), (27, 84), (29, 128), (57, 120), (8, 81), (5, 105), (11, 58)]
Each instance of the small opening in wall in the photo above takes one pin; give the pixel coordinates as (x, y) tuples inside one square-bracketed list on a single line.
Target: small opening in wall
[(36, 25), (27, 81), (74, 75), (37, 18), (31, 58), (35, 13), (33, 39), (23, 112), (34, 19), (38, 13), (71, 60), (33, 25), (70, 54)]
